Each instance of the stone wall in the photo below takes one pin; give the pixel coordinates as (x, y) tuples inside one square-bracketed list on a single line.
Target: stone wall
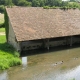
[(12, 38)]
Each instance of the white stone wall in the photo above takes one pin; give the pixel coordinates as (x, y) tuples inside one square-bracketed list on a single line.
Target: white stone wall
[(12, 39)]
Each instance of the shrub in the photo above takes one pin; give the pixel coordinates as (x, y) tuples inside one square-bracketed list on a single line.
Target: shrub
[(1, 8), (24, 3), (46, 7), (2, 25), (64, 7), (8, 56), (54, 7)]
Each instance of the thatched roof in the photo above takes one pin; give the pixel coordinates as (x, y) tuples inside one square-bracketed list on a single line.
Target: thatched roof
[(30, 23)]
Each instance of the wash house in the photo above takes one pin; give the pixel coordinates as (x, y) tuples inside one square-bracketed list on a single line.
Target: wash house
[(34, 27)]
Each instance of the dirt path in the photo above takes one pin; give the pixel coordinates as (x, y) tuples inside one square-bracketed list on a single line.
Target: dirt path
[(2, 33)]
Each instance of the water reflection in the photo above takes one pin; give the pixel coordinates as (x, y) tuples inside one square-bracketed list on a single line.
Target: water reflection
[(73, 74), (4, 75), (24, 61), (57, 65)]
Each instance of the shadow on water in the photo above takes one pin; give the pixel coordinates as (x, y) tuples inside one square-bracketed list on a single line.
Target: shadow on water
[(51, 49)]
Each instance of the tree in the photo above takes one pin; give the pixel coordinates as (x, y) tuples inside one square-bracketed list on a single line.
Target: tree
[(35, 3), (15, 2), (42, 3), (53, 2), (1, 8), (72, 0), (8, 3), (2, 2), (24, 3)]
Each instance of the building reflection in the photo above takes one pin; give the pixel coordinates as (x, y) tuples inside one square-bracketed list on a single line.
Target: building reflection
[(4, 75), (24, 61)]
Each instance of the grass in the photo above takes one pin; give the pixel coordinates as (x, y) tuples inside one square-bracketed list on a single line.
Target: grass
[(8, 56), (2, 29), (1, 18)]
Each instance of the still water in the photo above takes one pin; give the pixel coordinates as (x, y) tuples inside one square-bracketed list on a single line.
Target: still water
[(54, 65)]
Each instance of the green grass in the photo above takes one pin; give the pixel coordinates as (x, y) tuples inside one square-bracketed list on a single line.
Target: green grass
[(8, 56), (2, 29), (1, 20)]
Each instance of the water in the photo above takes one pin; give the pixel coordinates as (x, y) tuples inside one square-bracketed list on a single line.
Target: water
[(55, 65)]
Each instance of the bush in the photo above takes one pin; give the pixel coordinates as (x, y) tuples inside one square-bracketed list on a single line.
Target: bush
[(64, 8), (2, 25), (54, 7), (1, 8), (24, 3), (46, 7), (8, 56)]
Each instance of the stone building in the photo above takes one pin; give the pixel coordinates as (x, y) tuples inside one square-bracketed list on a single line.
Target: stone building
[(35, 27)]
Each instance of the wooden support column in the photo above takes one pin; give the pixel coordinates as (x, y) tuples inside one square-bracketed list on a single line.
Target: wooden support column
[(46, 43), (71, 41)]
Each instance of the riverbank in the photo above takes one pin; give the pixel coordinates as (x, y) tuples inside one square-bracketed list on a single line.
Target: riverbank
[(8, 56)]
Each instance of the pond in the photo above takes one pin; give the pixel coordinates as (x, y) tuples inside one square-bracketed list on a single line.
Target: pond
[(50, 65)]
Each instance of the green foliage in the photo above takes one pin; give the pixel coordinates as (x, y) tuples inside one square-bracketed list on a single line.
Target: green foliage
[(1, 8), (38, 3), (8, 3), (8, 60), (23, 3), (46, 7), (53, 7), (15, 2), (41, 3), (1, 20), (2, 2), (54, 2), (6, 24), (35, 3), (64, 6), (2, 29), (2, 25), (8, 56)]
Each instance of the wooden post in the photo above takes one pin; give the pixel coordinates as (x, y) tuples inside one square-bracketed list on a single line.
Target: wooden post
[(48, 44), (71, 41)]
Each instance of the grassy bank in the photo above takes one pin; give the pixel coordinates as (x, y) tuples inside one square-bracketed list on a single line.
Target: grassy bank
[(8, 56), (2, 29), (1, 20)]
